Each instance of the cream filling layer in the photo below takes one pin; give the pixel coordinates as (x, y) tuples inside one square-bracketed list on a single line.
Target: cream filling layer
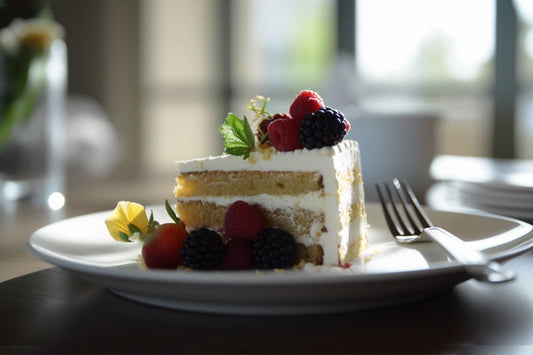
[(311, 200)]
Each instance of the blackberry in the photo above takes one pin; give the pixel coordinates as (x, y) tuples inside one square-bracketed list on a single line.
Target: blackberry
[(324, 127), (202, 249), (274, 248)]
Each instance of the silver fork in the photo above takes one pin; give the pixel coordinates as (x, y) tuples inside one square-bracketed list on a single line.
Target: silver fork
[(408, 223)]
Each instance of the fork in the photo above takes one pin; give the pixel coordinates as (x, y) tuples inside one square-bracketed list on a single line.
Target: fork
[(408, 223)]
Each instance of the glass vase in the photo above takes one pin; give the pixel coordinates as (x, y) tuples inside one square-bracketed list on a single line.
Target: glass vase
[(32, 164)]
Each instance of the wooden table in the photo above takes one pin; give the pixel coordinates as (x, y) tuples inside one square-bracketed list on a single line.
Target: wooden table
[(54, 311), (44, 309)]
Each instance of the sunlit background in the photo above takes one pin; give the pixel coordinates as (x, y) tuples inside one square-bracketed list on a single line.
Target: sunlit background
[(156, 78), (150, 82)]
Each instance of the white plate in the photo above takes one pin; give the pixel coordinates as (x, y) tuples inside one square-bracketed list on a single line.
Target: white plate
[(491, 196), (502, 174), (451, 195), (390, 274)]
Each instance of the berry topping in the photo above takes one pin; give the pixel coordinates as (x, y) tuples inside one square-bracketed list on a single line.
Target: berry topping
[(274, 248), (161, 249), (325, 127), (283, 134), (262, 130), (202, 250), (242, 221), (237, 255), (282, 115), (263, 127), (305, 103)]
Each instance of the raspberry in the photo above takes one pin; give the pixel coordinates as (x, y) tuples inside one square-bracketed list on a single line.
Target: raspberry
[(237, 255), (325, 127), (283, 134), (348, 126), (242, 221), (282, 115), (274, 248), (202, 249), (263, 126), (262, 131), (305, 103)]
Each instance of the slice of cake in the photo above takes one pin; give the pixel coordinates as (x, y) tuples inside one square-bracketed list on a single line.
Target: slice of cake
[(315, 194), (299, 174)]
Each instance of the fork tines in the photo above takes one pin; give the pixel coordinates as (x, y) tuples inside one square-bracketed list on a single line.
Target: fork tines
[(401, 208)]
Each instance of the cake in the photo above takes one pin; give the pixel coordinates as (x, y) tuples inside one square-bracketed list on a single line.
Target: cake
[(313, 192), (317, 195)]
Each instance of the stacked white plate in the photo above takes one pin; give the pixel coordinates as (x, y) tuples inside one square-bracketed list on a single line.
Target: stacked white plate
[(497, 186)]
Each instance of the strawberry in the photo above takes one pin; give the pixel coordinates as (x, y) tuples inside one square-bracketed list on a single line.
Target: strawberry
[(237, 255), (305, 103), (161, 249), (242, 221), (284, 134)]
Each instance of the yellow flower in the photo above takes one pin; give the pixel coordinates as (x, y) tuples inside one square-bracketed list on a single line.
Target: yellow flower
[(124, 215)]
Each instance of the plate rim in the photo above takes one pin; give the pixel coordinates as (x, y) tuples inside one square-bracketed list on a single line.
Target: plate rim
[(245, 293), (441, 198), (226, 277)]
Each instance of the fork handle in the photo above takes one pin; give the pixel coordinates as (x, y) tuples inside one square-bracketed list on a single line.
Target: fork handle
[(474, 261)]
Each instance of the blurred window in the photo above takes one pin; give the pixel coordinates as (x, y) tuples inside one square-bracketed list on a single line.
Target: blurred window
[(524, 124), (279, 47), (433, 41), (409, 55), (430, 55)]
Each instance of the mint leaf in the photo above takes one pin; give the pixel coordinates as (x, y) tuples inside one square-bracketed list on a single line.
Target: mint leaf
[(238, 136), (171, 213)]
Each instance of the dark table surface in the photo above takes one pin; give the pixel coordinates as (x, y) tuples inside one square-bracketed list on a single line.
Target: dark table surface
[(53, 311)]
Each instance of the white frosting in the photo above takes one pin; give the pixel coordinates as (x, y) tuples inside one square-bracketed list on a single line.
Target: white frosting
[(335, 201), (272, 160)]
